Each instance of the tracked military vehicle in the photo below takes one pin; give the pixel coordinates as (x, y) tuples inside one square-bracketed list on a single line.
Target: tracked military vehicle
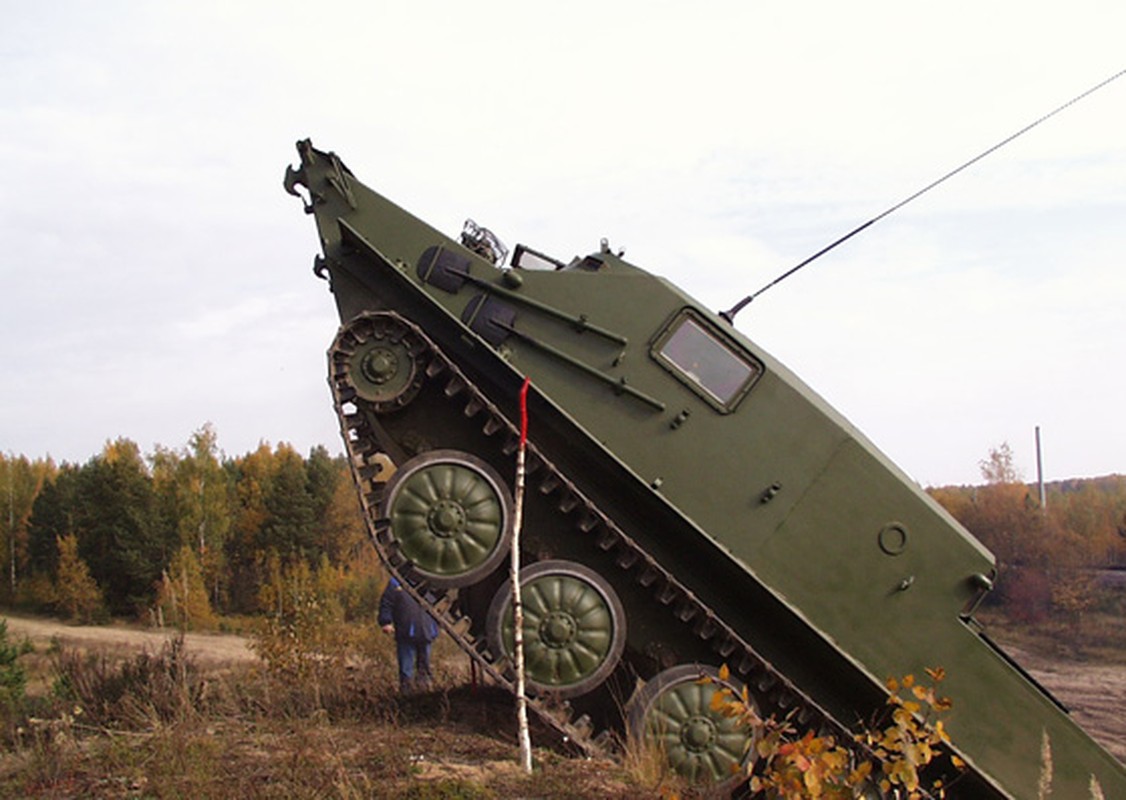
[(690, 503)]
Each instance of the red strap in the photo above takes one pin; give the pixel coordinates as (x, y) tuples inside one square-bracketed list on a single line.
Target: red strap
[(524, 411)]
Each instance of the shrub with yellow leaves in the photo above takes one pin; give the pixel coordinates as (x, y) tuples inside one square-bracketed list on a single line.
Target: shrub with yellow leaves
[(914, 735), (906, 736)]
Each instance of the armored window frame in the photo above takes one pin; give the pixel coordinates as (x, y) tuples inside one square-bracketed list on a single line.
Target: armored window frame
[(526, 258), (705, 360)]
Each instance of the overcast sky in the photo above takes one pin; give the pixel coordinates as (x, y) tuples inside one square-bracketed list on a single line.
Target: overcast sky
[(156, 276)]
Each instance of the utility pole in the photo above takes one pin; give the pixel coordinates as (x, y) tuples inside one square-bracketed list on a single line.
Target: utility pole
[(12, 522), (202, 514), (1040, 474)]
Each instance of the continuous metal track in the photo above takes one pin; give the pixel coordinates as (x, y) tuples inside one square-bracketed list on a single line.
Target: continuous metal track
[(369, 446)]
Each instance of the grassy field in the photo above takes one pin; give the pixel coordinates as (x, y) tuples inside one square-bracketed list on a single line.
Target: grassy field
[(115, 721), (121, 712)]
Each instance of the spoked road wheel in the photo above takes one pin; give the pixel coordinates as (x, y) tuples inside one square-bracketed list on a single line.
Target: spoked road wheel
[(451, 516), (672, 714), (574, 627)]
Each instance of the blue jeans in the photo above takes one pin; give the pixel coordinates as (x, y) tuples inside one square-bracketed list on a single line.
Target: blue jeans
[(414, 664)]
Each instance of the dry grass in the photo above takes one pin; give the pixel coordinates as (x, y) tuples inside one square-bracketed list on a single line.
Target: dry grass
[(118, 723), (157, 725), (1094, 636)]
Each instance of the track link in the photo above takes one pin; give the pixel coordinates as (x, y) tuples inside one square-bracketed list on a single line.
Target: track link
[(369, 446)]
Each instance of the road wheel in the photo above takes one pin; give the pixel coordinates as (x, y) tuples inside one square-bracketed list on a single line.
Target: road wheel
[(450, 515), (574, 627), (672, 714)]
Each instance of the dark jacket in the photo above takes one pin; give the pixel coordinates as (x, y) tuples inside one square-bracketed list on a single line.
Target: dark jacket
[(410, 619)]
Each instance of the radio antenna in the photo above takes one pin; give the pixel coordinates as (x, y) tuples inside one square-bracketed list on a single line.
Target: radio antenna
[(729, 315)]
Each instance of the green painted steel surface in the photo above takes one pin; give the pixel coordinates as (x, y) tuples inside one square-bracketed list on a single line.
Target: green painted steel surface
[(383, 370), (573, 626), (450, 517), (753, 476)]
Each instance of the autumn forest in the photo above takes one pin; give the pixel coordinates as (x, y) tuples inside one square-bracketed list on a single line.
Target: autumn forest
[(191, 536), (179, 535)]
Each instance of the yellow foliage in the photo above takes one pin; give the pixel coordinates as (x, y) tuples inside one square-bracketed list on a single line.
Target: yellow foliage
[(793, 766), (182, 595), (76, 591), (305, 638)]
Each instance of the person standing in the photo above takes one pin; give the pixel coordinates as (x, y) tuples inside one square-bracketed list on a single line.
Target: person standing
[(414, 630)]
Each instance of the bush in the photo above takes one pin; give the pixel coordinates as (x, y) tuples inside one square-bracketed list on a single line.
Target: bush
[(317, 660), (182, 596), (13, 677), (37, 593), (904, 738), (145, 690), (1027, 594), (78, 595)]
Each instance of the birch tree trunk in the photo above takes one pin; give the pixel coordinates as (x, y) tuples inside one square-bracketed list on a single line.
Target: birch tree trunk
[(517, 607)]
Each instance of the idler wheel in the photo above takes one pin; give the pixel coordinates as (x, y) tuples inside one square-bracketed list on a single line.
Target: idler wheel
[(450, 515), (382, 365), (574, 627), (673, 715)]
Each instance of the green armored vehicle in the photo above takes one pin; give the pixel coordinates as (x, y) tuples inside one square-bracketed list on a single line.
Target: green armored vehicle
[(690, 504)]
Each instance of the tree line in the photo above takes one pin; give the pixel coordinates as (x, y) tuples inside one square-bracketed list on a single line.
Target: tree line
[(185, 531), (1054, 559), (186, 534)]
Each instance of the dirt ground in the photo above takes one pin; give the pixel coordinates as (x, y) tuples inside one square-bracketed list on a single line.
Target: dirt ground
[(1095, 692), (211, 649)]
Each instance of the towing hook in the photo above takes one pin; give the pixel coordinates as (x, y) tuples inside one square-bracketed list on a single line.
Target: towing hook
[(295, 178)]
